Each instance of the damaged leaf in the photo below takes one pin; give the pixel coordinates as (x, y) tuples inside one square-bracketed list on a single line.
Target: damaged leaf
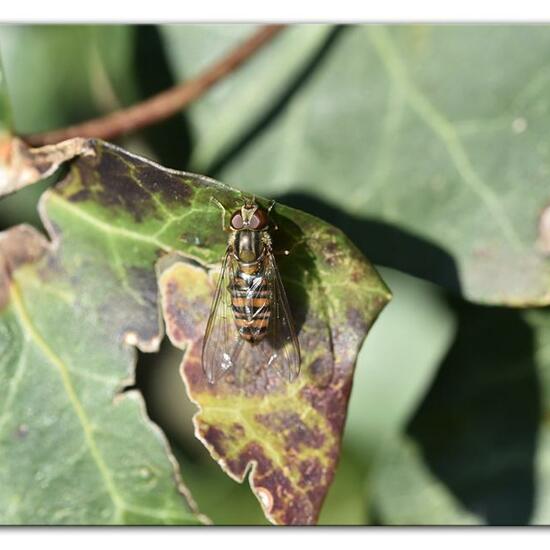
[(74, 447), (287, 435), (116, 217), (21, 165)]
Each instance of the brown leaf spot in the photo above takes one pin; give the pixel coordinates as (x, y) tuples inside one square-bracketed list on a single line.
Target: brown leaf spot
[(329, 243), (108, 180), (311, 472), (223, 439), (169, 187), (321, 368), (299, 512), (192, 368), (253, 452), (118, 180), (81, 195), (296, 433), (188, 327), (275, 491), (18, 246), (330, 402), (356, 320), (286, 506), (185, 312), (216, 438), (317, 495)]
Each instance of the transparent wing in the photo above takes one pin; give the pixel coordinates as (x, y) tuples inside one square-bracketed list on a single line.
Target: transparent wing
[(222, 344), (281, 343)]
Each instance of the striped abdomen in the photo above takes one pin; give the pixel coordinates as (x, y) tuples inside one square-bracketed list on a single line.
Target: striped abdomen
[(251, 302)]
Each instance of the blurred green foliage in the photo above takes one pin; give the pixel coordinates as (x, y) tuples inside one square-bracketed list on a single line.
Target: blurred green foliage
[(5, 107), (428, 146)]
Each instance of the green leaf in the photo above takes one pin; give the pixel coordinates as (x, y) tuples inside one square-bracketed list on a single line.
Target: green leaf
[(94, 293), (61, 74), (398, 366), (478, 440), (345, 504), (406, 492), (5, 107), (75, 448), (436, 130), (539, 320), (227, 113)]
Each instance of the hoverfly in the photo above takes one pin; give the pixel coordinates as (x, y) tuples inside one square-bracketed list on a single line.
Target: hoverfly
[(250, 321)]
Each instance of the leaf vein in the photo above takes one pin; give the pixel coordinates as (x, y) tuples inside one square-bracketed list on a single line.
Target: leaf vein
[(442, 128), (14, 384), (52, 357)]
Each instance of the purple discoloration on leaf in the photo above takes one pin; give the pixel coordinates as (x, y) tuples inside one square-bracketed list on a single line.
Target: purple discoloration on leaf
[(18, 246), (127, 215), (311, 471), (287, 434), (295, 431)]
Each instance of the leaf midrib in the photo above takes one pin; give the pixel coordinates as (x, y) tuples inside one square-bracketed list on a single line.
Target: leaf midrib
[(28, 326), (443, 129), (120, 505)]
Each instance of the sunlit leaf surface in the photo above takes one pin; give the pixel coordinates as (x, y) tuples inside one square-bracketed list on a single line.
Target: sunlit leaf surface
[(73, 309), (433, 138)]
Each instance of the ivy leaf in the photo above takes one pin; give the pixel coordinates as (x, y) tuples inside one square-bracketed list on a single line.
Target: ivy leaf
[(224, 116), (288, 434), (114, 217), (381, 407), (74, 447), (392, 145), (476, 450), (406, 492)]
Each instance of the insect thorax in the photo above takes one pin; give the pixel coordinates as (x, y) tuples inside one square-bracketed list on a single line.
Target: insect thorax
[(249, 246), (250, 291)]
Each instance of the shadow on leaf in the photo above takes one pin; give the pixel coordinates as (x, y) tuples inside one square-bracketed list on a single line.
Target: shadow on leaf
[(270, 116), (478, 424), (382, 243)]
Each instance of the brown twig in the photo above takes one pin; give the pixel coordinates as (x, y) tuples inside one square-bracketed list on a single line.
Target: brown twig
[(162, 105)]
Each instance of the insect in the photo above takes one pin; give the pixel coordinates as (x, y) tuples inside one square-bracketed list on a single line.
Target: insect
[(250, 321)]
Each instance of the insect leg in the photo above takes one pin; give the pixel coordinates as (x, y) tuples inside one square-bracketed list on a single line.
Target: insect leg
[(222, 208)]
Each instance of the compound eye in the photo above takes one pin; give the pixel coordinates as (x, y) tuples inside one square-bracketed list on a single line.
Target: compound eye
[(259, 219), (237, 220)]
